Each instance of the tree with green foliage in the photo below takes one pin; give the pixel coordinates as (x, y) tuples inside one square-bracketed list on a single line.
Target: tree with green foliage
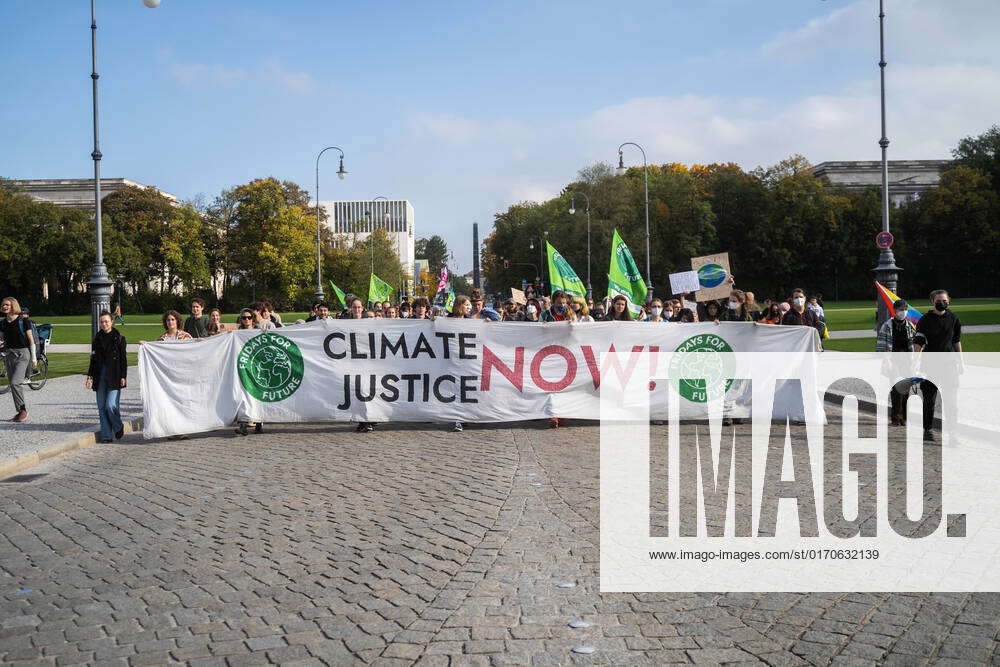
[(435, 251)]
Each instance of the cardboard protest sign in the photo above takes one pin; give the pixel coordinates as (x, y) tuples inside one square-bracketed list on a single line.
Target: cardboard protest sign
[(518, 296), (713, 276)]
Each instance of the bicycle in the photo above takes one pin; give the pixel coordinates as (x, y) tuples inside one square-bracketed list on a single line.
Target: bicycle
[(38, 376)]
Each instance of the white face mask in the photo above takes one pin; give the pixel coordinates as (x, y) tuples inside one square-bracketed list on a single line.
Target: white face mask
[(530, 309), (734, 305), (901, 315), (798, 301), (656, 310)]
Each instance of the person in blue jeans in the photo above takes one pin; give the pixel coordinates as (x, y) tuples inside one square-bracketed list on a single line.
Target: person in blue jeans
[(107, 376)]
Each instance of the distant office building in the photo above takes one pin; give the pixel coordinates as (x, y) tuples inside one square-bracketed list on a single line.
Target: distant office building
[(76, 192), (354, 221), (907, 178)]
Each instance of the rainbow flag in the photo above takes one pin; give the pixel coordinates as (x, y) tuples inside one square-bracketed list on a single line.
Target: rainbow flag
[(912, 314)]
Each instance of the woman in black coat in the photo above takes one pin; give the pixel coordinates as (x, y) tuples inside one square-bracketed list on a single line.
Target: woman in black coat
[(106, 376)]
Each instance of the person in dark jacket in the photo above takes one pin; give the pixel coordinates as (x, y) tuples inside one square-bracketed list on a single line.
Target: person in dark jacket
[(107, 376)]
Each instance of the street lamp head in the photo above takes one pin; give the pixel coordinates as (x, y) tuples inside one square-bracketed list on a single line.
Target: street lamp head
[(152, 4), (621, 165), (341, 172), (572, 210)]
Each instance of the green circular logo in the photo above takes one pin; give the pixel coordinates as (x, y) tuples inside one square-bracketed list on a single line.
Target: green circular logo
[(270, 367), (626, 263), (710, 370)]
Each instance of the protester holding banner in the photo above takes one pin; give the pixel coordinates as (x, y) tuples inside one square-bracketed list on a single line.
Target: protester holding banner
[(197, 324), (560, 310), (619, 309), (479, 310), (247, 319), (215, 325), (510, 312), (355, 309), (655, 311), (532, 311), (421, 309), (171, 326), (322, 312), (752, 307), (736, 308), (580, 309), (684, 316), (404, 310), (106, 375)]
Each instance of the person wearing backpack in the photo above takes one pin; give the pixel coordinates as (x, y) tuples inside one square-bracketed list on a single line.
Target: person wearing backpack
[(20, 339)]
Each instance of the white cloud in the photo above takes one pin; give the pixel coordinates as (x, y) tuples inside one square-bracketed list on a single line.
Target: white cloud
[(444, 127), (205, 75), (293, 82), (532, 192)]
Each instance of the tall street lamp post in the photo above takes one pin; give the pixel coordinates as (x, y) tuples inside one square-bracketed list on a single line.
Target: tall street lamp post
[(541, 255), (99, 287), (371, 229), (572, 210), (341, 173), (886, 272), (645, 184)]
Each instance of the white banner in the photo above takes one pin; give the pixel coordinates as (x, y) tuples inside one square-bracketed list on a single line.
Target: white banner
[(442, 370)]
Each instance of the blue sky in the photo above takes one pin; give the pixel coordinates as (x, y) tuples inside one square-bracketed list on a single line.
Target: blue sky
[(464, 108)]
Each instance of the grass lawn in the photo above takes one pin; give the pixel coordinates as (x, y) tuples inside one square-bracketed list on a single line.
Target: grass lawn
[(971, 312), (149, 318), (136, 327), (977, 342), (840, 305)]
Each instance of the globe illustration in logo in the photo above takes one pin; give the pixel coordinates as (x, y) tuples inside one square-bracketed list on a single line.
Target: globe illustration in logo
[(270, 367), (711, 275), (706, 374)]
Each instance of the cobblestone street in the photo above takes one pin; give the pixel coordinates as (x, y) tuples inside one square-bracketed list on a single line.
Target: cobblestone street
[(314, 544)]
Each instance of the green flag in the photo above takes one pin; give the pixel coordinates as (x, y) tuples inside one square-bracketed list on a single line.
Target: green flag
[(450, 301), (615, 289), (561, 274), (339, 293), (378, 289), (624, 272)]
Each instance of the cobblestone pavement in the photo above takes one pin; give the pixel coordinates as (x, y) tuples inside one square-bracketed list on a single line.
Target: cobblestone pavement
[(313, 544)]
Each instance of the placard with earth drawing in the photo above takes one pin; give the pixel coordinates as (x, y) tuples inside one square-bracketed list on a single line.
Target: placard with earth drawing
[(713, 276)]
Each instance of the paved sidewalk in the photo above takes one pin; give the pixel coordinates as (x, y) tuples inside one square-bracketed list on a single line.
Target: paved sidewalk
[(61, 411), (314, 544), (870, 333)]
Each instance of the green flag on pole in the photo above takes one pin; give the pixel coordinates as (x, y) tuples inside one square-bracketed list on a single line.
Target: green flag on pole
[(339, 293), (450, 301), (378, 289), (561, 274), (616, 289), (624, 271)]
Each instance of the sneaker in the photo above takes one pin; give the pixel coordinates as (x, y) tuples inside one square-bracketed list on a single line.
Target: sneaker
[(120, 433), (554, 422), (361, 427), (369, 427), (457, 428), (727, 422), (20, 417), (928, 435)]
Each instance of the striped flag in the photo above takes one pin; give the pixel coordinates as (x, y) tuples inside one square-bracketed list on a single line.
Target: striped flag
[(912, 314)]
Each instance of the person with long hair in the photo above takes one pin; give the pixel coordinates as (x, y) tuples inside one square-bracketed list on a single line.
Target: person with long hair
[(532, 310), (736, 308), (107, 376), (171, 327), (581, 311), (619, 310), (684, 316), (19, 351), (215, 325), (655, 311), (510, 312)]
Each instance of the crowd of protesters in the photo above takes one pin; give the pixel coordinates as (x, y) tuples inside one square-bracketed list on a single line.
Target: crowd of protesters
[(938, 330)]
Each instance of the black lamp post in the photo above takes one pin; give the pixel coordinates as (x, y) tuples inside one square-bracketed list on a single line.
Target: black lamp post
[(541, 254), (886, 272), (99, 287), (572, 210), (341, 173)]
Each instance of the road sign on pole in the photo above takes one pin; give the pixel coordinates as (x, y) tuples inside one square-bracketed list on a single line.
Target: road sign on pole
[(884, 240)]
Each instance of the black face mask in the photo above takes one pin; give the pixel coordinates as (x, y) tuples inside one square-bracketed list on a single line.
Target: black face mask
[(941, 306)]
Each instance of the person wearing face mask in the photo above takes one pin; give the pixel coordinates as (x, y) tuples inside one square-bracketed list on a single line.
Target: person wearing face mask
[(736, 308), (939, 330), (532, 310), (797, 313), (772, 314), (598, 312), (896, 335), (560, 310), (655, 312)]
